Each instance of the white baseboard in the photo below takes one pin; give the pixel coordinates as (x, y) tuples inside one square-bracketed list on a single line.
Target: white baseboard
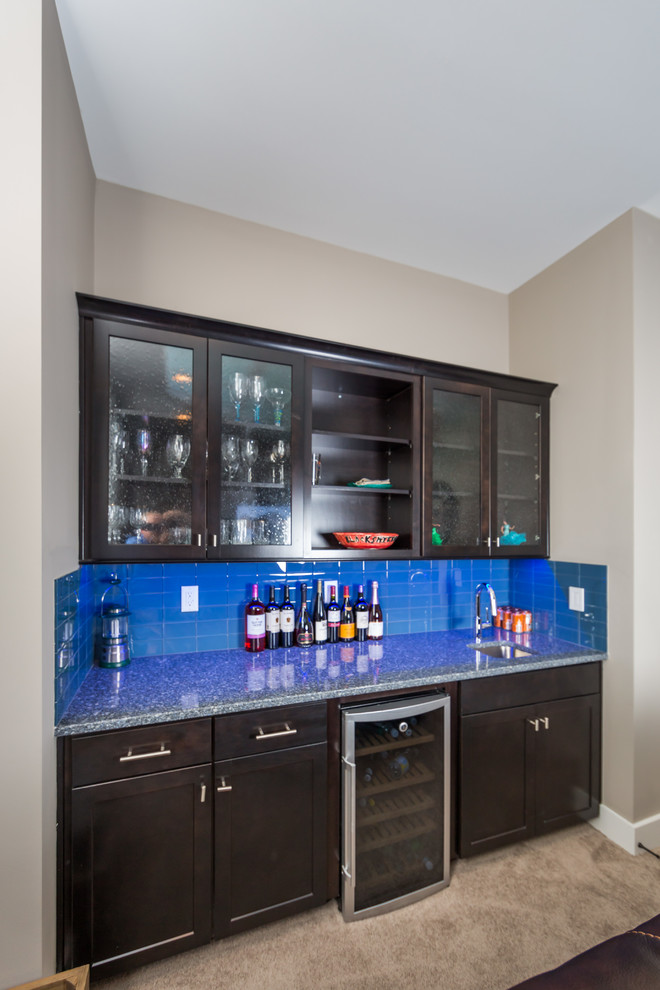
[(628, 834)]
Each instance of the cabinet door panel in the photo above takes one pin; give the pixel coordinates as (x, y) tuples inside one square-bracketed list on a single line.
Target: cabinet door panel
[(567, 762), (456, 469), (141, 868), (495, 779), (270, 836)]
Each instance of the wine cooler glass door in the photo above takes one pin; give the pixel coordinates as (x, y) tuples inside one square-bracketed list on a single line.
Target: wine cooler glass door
[(395, 804)]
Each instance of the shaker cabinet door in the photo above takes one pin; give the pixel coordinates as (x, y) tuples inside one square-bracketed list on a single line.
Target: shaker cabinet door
[(254, 452), (144, 444)]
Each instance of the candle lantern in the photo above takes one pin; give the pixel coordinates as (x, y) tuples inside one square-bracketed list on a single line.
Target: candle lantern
[(114, 625)]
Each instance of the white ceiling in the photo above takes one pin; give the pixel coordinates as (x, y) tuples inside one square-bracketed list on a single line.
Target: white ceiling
[(477, 139)]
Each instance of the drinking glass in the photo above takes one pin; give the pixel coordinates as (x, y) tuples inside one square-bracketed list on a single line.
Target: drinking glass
[(238, 387), (144, 447), (177, 452), (118, 446), (250, 453), (230, 456), (278, 456), (256, 394), (278, 398)]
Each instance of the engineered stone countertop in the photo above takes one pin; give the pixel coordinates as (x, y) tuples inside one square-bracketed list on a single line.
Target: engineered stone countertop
[(193, 685)]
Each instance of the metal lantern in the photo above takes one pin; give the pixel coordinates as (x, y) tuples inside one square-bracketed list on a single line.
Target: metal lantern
[(114, 625)]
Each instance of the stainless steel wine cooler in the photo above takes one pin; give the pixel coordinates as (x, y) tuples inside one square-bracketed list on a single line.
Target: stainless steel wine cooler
[(395, 792)]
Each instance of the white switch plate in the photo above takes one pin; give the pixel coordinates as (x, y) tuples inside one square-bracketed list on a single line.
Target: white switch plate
[(576, 599), (189, 598)]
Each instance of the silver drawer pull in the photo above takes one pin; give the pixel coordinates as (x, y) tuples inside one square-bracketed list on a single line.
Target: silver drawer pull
[(223, 787), (145, 756), (286, 731)]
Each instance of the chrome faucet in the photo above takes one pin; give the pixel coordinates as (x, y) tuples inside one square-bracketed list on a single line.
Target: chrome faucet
[(484, 586)]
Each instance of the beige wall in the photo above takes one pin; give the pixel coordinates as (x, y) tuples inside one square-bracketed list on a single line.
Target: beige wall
[(46, 252), (646, 446), (573, 324), (163, 253)]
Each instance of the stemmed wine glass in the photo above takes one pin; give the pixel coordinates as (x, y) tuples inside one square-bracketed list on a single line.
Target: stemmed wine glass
[(118, 445), (278, 398), (230, 456), (278, 455), (238, 387), (250, 453), (178, 452), (144, 446), (256, 394)]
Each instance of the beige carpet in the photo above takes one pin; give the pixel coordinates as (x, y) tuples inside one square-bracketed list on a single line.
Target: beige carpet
[(505, 916)]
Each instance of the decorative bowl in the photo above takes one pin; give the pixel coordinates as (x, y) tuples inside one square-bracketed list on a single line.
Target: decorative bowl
[(366, 541)]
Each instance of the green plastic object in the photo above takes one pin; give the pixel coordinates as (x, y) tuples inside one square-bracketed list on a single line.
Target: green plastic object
[(436, 539)]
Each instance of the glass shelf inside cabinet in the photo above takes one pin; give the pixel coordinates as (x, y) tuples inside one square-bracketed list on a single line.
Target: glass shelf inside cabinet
[(255, 455), (149, 443)]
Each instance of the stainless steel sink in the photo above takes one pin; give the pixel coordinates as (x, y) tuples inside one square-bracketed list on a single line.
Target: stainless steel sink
[(507, 651)]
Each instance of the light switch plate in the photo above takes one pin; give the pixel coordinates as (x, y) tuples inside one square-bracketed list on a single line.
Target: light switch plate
[(576, 599), (189, 598)]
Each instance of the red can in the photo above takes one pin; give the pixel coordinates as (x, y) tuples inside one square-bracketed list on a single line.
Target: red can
[(506, 618), (518, 621), (528, 620)]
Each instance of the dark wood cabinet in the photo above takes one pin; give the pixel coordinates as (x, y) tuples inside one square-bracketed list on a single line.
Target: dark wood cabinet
[(486, 466), (197, 438), (527, 768), (137, 863)]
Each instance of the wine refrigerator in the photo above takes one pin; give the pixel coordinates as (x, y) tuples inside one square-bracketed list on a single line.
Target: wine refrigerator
[(396, 803)]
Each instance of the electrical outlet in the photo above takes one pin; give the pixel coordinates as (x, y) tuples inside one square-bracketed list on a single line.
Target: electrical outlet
[(576, 599), (189, 598)]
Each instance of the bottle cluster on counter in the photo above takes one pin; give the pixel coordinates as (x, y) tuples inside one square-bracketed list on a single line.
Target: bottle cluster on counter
[(275, 625)]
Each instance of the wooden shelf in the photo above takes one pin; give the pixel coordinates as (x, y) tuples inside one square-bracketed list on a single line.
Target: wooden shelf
[(379, 745)]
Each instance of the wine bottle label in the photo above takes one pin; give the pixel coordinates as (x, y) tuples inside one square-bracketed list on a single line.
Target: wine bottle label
[(273, 621), (304, 638), (287, 621), (320, 630), (333, 623), (375, 630), (256, 626), (347, 630), (362, 620)]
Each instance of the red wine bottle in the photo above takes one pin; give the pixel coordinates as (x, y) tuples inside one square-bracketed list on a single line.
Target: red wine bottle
[(304, 624), (375, 614), (334, 616), (320, 617), (347, 619), (287, 620), (255, 623), (272, 622), (361, 609)]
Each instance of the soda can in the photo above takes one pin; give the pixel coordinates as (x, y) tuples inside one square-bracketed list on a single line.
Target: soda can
[(507, 619), (527, 615), (518, 621)]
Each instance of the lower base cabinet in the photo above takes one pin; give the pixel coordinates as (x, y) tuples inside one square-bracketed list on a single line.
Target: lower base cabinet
[(529, 755)]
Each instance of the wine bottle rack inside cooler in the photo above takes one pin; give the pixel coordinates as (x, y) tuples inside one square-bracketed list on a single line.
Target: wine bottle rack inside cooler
[(395, 791)]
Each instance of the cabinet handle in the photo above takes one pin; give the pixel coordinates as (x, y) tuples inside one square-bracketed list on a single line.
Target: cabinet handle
[(535, 723), (214, 539), (145, 756), (286, 731), (546, 722), (487, 542), (223, 787), (202, 796), (197, 537)]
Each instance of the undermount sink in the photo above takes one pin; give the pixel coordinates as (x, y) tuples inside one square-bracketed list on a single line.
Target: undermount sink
[(508, 651)]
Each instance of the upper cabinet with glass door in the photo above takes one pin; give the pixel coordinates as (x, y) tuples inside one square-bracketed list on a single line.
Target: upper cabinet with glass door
[(144, 453), (255, 419), (519, 520)]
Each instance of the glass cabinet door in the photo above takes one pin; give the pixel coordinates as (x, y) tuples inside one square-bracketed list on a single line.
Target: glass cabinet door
[(255, 504), (148, 465), (456, 483), (519, 509)]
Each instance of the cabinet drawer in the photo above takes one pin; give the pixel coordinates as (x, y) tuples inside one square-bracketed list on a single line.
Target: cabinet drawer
[(131, 752), (269, 729), (486, 694)]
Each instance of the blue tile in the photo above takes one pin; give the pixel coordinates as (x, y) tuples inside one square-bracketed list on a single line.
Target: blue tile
[(134, 571), (184, 644), (184, 573), (145, 616), (147, 648), (213, 642)]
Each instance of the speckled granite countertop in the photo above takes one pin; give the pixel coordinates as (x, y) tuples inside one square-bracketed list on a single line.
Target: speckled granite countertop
[(190, 685)]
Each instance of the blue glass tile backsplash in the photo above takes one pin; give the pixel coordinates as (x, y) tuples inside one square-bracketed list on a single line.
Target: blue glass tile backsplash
[(416, 595)]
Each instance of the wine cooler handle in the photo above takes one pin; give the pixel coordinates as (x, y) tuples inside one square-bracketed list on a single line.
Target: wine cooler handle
[(349, 820)]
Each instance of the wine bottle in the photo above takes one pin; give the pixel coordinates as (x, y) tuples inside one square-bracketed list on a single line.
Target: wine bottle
[(346, 619), (398, 766), (361, 609), (320, 617), (334, 616), (272, 622), (287, 620), (255, 623), (375, 614), (304, 624)]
